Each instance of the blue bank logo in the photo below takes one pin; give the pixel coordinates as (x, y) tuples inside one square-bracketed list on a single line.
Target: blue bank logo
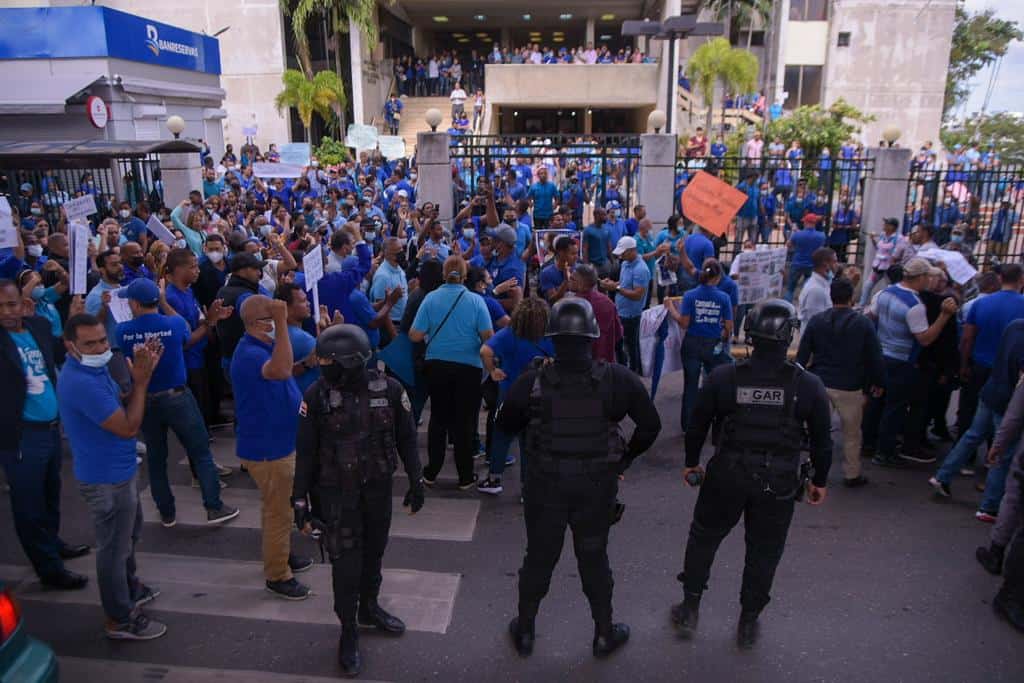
[(156, 45), (152, 40)]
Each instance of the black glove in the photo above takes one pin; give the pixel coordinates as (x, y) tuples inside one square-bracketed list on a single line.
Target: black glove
[(414, 497), (302, 513)]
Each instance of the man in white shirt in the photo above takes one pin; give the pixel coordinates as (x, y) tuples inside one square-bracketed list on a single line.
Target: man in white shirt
[(458, 98), (815, 296), (432, 75), (753, 149), (590, 56), (535, 55)]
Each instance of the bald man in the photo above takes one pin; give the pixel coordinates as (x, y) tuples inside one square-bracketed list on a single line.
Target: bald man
[(134, 262), (267, 403)]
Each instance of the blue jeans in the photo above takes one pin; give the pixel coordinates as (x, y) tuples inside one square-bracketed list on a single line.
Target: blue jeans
[(501, 441), (117, 520), (901, 378), (983, 426), (698, 353), (179, 413), (995, 482), (33, 473), (796, 275)]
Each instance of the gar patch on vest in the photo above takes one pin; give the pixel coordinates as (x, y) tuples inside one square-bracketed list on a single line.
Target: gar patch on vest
[(569, 418), (762, 439), (357, 435)]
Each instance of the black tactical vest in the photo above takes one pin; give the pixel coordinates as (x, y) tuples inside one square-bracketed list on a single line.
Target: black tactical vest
[(762, 439), (357, 434), (568, 416)]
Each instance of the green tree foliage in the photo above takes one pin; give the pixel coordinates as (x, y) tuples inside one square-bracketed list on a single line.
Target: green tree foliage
[(330, 152), (322, 94), (744, 12), (817, 128), (1003, 131), (362, 12), (718, 62), (978, 40)]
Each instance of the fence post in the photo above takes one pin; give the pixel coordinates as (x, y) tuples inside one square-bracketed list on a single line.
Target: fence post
[(180, 173), (885, 194), (435, 174), (657, 176)]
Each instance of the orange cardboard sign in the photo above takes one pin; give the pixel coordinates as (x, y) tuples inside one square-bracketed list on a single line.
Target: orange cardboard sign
[(711, 203)]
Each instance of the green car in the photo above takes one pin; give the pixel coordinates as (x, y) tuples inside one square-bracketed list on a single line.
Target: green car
[(23, 659)]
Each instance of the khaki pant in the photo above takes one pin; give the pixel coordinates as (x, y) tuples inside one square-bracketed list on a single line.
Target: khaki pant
[(850, 407), (275, 478)]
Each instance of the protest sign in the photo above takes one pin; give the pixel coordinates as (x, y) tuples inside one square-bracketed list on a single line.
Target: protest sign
[(545, 242), (361, 137), (8, 231), (79, 252), (759, 274), (711, 203), (956, 265), (119, 307), (160, 230), (313, 269), (79, 207), (268, 170), (295, 153), (392, 147), (250, 131)]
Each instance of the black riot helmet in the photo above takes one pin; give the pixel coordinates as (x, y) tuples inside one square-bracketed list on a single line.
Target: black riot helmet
[(772, 320), (572, 317), (347, 345)]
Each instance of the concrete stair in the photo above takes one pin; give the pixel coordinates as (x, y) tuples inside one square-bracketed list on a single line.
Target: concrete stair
[(413, 117), (693, 114)]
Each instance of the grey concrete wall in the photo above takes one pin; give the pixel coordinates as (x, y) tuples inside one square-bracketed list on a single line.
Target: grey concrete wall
[(553, 85), (657, 176), (435, 174), (885, 193), (181, 174)]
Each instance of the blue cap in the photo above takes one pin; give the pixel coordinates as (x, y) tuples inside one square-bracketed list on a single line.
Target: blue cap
[(142, 290)]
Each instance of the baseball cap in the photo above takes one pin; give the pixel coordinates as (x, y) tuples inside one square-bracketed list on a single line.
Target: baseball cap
[(245, 260), (625, 244), (142, 290), (26, 187), (403, 193), (916, 267), (613, 204), (810, 219), (506, 233)]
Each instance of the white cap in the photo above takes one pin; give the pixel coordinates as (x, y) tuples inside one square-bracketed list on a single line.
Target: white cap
[(625, 244), (402, 193)]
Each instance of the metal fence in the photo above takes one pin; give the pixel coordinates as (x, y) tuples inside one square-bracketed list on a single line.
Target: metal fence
[(590, 161), (986, 204), (831, 188)]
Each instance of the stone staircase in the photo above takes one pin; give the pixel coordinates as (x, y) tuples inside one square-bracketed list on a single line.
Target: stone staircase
[(693, 114), (414, 121)]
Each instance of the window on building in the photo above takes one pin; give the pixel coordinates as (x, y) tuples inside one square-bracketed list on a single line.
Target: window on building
[(803, 83), (844, 39), (808, 10), (739, 36)]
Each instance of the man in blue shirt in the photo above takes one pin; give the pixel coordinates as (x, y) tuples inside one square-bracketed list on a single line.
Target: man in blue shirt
[(616, 226), (134, 263), (542, 195), (554, 280), (698, 248), (267, 405), (746, 219), (630, 295), (597, 241), (337, 283), (505, 265), (170, 404), (101, 432), (388, 277), (803, 242), (523, 232)]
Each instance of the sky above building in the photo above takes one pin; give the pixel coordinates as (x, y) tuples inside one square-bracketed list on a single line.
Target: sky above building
[(1008, 94)]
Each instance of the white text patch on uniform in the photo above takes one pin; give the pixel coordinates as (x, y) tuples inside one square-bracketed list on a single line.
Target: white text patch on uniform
[(379, 403), (760, 396)]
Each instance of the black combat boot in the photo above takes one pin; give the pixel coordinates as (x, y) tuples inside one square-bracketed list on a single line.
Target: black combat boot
[(1009, 608), (348, 651), (522, 634), (686, 614), (372, 614), (747, 631), (609, 637), (991, 558)]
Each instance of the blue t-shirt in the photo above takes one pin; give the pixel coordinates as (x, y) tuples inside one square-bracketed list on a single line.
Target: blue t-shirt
[(458, 341), (992, 315), (595, 241), (550, 278), (362, 314), (88, 397), (184, 302), (267, 411), (666, 236), (173, 332), (494, 308), (632, 274), (303, 344), (699, 248), (512, 267), (804, 243), (708, 308), (543, 195), (729, 286), (388, 277), (40, 397), (513, 354)]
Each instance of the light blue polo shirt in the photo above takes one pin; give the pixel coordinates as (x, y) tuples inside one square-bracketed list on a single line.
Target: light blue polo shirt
[(632, 274), (458, 340), (388, 277)]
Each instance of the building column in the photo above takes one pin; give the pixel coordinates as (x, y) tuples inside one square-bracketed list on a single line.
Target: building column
[(355, 42), (885, 193), (588, 121), (589, 34), (779, 49), (506, 38), (180, 173), (657, 175), (435, 174)]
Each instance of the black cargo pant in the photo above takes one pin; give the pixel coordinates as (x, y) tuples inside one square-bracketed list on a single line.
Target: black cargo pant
[(725, 496), (357, 534), (580, 495)]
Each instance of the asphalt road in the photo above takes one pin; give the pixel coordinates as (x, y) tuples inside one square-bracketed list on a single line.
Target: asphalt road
[(878, 584)]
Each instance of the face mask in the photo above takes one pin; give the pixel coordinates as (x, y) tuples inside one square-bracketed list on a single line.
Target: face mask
[(829, 276), (180, 244), (96, 360), (37, 292), (469, 233), (371, 236), (215, 256), (315, 164), (34, 250), (124, 213), (137, 261), (956, 239), (258, 255), (412, 176), (273, 328), (36, 211)]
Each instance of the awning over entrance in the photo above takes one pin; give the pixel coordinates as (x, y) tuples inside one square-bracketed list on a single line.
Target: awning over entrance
[(82, 154), (31, 95), (145, 86)]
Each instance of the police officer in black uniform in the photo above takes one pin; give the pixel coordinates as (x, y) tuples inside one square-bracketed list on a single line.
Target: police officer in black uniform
[(354, 425), (760, 409), (575, 454)]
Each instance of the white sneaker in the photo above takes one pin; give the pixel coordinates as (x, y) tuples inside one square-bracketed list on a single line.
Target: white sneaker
[(140, 448), (490, 485)]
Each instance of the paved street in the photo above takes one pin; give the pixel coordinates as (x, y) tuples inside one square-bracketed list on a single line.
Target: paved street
[(878, 584)]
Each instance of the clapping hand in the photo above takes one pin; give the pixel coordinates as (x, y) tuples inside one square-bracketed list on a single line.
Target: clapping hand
[(145, 359), (218, 311)]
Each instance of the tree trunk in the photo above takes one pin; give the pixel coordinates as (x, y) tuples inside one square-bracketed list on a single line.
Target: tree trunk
[(305, 60), (309, 136)]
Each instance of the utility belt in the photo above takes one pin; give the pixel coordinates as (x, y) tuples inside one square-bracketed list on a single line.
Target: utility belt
[(166, 393), (783, 477)]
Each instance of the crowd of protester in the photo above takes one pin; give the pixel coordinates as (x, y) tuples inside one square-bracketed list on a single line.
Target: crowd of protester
[(225, 310)]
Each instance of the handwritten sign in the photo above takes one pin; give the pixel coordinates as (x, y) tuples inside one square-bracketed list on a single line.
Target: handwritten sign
[(160, 231), (8, 231), (79, 251), (313, 269), (78, 208), (270, 170), (711, 203), (956, 265), (392, 147), (361, 136), (295, 153), (119, 307)]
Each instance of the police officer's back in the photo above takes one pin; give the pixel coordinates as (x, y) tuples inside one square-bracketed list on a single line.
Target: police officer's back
[(575, 453), (761, 408), (354, 426)]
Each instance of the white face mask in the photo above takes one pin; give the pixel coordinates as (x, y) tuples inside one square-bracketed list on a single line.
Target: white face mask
[(215, 256), (180, 244), (34, 250), (371, 236), (469, 233), (124, 213), (96, 360), (273, 328)]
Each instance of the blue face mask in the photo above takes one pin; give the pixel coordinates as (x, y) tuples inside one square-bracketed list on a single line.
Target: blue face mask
[(829, 276), (956, 239)]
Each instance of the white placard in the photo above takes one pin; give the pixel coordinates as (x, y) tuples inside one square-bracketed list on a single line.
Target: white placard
[(392, 147), (119, 307), (295, 153), (80, 207), (160, 230), (958, 267), (313, 269), (268, 170), (759, 274), (79, 251), (8, 231), (361, 136)]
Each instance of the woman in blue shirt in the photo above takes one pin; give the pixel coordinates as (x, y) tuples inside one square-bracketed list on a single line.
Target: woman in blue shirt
[(705, 315), (478, 281), (505, 356)]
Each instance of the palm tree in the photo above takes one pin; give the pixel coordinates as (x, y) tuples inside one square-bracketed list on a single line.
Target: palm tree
[(718, 62), (323, 94), (361, 12)]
